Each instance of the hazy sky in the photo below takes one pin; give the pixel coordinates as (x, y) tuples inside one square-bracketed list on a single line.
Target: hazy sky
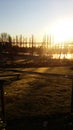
[(32, 16)]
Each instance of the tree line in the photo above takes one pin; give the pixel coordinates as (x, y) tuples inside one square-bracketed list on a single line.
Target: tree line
[(21, 44)]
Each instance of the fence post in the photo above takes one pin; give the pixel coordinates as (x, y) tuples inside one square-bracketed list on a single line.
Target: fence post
[(2, 102), (72, 98)]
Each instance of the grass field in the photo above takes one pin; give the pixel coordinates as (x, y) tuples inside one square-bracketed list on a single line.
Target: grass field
[(38, 92), (35, 94)]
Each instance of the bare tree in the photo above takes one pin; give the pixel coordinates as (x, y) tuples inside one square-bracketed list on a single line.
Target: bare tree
[(6, 40), (17, 41), (20, 40), (32, 41), (4, 37)]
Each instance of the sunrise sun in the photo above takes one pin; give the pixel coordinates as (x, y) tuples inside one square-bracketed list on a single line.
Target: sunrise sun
[(62, 30)]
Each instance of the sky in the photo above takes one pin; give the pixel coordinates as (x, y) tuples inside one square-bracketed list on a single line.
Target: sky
[(36, 17)]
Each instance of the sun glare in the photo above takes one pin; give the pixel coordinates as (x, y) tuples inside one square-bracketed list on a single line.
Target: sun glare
[(62, 30), (62, 56)]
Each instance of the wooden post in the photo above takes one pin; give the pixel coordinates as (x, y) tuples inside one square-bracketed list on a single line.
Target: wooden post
[(72, 98), (2, 100)]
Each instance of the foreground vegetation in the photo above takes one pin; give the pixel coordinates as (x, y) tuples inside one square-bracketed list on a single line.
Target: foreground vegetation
[(36, 94)]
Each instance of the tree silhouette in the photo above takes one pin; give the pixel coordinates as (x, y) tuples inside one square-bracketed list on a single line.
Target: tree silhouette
[(20, 40), (17, 41), (6, 41), (32, 44)]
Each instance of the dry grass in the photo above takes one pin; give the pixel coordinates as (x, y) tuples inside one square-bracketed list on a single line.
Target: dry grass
[(37, 94)]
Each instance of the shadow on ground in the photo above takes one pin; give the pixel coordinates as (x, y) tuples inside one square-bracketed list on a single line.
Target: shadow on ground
[(54, 122)]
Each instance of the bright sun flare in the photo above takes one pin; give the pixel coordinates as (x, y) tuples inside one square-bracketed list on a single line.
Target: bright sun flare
[(62, 30)]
